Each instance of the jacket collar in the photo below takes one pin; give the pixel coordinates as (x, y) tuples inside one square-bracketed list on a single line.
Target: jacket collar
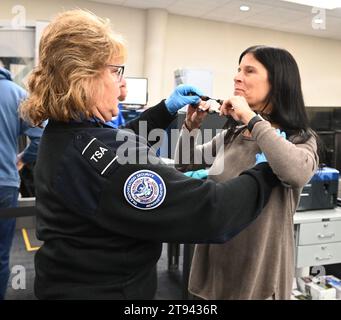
[(53, 124)]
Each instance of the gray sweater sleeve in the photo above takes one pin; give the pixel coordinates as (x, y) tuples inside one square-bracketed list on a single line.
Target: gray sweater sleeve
[(192, 154), (294, 164)]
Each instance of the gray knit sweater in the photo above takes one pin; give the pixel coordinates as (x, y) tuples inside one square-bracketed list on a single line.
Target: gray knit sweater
[(258, 263)]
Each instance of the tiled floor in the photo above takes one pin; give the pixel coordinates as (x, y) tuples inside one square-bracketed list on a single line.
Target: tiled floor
[(169, 283)]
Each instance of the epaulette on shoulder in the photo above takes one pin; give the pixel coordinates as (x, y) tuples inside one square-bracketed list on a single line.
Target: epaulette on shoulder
[(101, 157)]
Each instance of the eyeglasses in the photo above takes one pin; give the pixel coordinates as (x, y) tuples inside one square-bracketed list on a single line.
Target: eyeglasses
[(117, 70)]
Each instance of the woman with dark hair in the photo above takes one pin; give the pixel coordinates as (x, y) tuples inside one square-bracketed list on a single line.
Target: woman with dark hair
[(258, 263)]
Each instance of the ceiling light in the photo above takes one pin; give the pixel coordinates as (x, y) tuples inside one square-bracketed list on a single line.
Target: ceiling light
[(244, 8), (325, 4)]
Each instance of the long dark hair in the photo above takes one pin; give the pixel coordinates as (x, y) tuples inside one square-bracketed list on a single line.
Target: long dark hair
[(285, 95)]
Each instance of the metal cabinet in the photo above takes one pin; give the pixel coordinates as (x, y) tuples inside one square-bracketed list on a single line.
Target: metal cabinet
[(318, 237), (318, 254), (320, 232)]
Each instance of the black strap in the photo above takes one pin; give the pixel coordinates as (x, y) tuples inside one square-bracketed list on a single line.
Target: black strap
[(253, 121)]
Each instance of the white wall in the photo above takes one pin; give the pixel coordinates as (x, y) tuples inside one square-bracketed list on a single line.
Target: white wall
[(199, 43), (207, 44), (127, 21)]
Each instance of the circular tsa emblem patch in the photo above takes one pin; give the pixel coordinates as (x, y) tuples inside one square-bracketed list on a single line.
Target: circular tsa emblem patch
[(145, 190)]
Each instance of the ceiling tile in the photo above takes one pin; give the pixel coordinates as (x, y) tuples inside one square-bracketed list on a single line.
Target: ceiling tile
[(334, 13), (334, 23), (117, 2), (276, 15), (207, 3), (188, 11), (148, 3), (232, 9), (283, 4), (285, 14), (195, 7)]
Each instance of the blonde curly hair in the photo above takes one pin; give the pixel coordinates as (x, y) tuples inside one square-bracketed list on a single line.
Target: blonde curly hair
[(73, 51)]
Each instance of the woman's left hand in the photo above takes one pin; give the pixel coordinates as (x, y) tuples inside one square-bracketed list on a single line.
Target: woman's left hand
[(238, 108)]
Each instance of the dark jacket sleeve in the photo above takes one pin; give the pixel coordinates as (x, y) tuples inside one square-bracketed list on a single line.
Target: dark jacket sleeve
[(156, 117), (193, 210)]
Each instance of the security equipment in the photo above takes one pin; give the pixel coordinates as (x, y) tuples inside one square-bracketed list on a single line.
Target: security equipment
[(321, 191)]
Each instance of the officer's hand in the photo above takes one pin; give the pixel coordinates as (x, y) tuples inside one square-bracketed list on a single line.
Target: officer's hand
[(260, 157), (281, 133), (181, 97), (198, 174)]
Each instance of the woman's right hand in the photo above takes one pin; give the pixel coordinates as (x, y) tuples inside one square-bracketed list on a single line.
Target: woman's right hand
[(238, 108), (196, 115)]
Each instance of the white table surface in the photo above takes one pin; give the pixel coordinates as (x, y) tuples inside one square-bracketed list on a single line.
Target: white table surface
[(317, 215)]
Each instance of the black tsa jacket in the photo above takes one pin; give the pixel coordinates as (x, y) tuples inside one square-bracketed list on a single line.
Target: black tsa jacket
[(103, 219)]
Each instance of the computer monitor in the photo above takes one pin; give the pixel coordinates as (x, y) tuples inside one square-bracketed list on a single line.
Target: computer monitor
[(137, 91)]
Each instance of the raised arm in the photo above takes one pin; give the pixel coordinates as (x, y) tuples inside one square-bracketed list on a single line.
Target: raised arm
[(294, 164)]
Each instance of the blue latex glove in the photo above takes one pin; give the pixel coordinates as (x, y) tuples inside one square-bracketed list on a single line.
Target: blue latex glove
[(281, 133), (198, 174), (180, 97), (260, 157)]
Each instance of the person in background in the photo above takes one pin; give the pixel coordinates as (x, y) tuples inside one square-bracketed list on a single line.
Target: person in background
[(102, 215), (119, 121), (12, 126), (258, 263)]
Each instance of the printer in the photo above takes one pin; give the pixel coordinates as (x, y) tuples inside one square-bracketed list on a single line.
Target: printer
[(321, 191)]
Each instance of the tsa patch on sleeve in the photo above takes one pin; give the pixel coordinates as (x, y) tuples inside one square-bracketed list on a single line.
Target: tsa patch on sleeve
[(145, 190)]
